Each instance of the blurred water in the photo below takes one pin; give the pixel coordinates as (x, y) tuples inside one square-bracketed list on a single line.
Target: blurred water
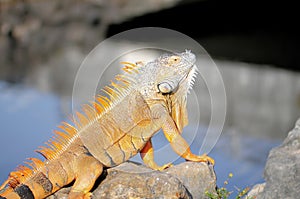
[(28, 117)]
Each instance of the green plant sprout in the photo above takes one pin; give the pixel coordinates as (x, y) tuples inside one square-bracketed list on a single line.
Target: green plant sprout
[(223, 193)]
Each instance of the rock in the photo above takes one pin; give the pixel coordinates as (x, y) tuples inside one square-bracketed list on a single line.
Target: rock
[(60, 194), (196, 177), (257, 189), (282, 169), (131, 180)]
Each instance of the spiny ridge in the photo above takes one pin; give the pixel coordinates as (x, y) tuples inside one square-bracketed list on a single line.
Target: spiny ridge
[(114, 93), (130, 67), (63, 138)]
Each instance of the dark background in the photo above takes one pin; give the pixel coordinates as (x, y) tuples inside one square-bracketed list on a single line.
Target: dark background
[(264, 32)]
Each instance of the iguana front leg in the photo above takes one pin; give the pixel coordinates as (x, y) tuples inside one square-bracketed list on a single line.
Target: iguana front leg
[(178, 144), (147, 154), (171, 132)]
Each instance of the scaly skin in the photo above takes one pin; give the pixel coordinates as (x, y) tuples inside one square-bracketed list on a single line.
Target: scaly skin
[(114, 129)]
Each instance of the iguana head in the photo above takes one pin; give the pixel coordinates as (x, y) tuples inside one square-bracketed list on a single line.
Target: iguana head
[(175, 73), (169, 78)]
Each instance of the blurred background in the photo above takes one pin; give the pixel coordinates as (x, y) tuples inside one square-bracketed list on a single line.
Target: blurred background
[(255, 45)]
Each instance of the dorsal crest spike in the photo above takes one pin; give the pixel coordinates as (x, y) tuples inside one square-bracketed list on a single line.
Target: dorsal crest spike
[(104, 101), (124, 79), (19, 175), (89, 111), (82, 119), (98, 107), (110, 92), (63, 135), (117, 87), (68, 128), (129, 67), (45, 152), (36, 163)]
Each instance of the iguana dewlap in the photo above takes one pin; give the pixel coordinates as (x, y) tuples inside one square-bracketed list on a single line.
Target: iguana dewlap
[(111, 130)]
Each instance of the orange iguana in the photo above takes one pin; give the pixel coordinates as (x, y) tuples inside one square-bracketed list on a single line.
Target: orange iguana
[(112, 129)]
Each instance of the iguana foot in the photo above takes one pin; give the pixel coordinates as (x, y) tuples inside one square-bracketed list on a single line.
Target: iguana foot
[(201, 158), (163, 167), (205, 158)]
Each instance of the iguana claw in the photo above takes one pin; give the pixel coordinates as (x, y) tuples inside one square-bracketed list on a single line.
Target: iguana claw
[(165, 166), (205, 158)]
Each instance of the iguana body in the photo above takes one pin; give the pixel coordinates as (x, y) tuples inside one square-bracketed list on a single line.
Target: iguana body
[(112, 130)]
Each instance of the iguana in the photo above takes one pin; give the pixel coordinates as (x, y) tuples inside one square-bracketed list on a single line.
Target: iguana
[(112, 129)]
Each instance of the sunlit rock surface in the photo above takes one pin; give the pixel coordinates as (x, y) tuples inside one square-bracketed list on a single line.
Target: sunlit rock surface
[(129, 180)]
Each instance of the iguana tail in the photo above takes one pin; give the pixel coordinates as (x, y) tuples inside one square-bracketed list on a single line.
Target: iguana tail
[(42, 178), (77, 166), (34, 185)]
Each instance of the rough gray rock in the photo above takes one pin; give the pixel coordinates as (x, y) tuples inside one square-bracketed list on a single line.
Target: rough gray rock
[(256, 189), (130, 180), (282, 171), (196, 177)]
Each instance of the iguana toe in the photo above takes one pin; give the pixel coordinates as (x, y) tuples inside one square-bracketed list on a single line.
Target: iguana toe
[(163, 167), (205, 158)]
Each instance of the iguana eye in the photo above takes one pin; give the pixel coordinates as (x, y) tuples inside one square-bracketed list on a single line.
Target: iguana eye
[(164, 87), (174, 60)]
